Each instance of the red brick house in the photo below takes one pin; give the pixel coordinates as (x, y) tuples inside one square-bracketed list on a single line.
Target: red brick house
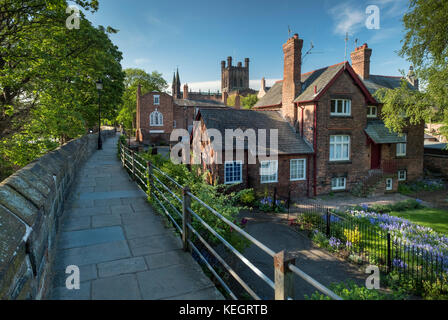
[(332, 115), (159, 113)]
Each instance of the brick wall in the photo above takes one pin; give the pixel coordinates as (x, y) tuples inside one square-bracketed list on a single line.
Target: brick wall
[(146, 108), (436, 163)]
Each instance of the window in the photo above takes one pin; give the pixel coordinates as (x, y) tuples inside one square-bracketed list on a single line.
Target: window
[(233, 172), (389, 184), (269, 171), (156, 119), (401, 148), (339, 183), (341, 107), (157, 100), (402, 175), (297, 168), (174, 124), (339, 148), (372, 112)]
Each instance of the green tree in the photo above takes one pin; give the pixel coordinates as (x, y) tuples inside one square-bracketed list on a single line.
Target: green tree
[(425, 45), (47, 78), (249, 101), (148, 81)]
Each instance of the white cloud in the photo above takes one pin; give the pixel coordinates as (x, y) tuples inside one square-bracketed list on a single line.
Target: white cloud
[(215, 85), (141, 61), (347, 18)]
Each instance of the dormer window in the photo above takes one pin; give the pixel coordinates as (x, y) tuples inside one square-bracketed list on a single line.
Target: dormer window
[(372, 112), (156, 100), (341, 107)]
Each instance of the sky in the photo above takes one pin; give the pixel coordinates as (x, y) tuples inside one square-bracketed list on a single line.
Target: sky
[(196, 35)]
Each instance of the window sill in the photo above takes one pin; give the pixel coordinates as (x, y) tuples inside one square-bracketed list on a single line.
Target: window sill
[(341, 116), (340, 162), (302, 179), (233, 183), (267, 182)]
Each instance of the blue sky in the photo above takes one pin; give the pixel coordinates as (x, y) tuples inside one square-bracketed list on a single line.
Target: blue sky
[(196, 35)]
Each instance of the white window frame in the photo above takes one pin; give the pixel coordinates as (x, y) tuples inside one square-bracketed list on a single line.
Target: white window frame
[(389, 184), (335, 144), (402, 175), (346, 107), (272, 177), (369, 112), (339, 186), (402, 147), (297, 176), (156, 100), (174, 124), (232, 163), (156, 119)]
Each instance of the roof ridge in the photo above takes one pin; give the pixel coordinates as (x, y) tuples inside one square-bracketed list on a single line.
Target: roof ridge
[(334, 65)]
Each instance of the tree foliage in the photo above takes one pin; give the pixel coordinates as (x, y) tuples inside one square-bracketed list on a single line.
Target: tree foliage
[(148, 81), (249, 101), (47, 77), (425, 45)]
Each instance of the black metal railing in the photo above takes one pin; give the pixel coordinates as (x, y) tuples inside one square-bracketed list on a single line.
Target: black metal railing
[(181, 207), (364, 242)]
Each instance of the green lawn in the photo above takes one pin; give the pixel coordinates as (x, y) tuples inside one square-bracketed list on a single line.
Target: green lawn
[(434, 218)]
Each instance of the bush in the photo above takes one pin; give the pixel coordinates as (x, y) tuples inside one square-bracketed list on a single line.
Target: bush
[(351, 291), (409, 204), (421, 185), (246, 197)]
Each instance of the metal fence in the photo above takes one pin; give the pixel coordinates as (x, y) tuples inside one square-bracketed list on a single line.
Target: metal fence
[(365, 242), (181, 207)]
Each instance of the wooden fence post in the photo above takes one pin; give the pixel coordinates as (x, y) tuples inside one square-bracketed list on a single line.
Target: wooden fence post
[(186, 218), (284, 278)]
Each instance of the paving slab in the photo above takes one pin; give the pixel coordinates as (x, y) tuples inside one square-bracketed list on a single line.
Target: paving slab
[(122, 248)]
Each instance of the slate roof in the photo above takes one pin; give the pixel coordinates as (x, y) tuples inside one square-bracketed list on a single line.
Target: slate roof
[(289, 141), (436, 146), (319, 78), (375, 82), (273, 97), (199, 103), (380, 134)]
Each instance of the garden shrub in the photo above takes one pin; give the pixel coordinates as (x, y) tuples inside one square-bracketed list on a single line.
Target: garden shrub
[(246, 197), (349, 290)]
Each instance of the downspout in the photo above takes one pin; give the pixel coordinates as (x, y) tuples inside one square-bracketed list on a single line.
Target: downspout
[(315, 149)]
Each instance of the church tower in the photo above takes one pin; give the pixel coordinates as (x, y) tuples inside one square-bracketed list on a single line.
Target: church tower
[(176, 86), (234, 77)]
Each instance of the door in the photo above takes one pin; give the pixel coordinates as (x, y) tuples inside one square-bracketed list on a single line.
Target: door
[(375, 156)]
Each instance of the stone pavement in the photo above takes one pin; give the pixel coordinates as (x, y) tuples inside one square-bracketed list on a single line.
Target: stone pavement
[(123, 249)]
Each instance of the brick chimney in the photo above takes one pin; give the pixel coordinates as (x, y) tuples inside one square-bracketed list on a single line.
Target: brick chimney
[(263, 84), (237, 100), (292, 69), (185, 95), (224, 97), (361, 61)]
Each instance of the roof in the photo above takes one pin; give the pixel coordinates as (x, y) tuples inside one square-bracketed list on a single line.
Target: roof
[(380, 134), (199, 103), (319, 78), (436, 145), (289, 141), (375, 82), (272, 98)]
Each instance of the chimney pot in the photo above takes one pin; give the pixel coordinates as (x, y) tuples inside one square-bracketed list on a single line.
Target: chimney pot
[(296, 36)]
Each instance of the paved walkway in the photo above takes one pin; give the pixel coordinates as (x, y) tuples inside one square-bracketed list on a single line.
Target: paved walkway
[(122, 248)]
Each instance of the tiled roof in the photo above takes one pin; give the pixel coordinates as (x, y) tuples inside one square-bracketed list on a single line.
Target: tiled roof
[(317, 78), (375, 82), (289, 141), (272, 98), (198, 103), (378, 132), (436, 146)]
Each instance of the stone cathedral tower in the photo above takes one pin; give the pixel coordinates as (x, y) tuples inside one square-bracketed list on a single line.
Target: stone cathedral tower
[(234, 77)]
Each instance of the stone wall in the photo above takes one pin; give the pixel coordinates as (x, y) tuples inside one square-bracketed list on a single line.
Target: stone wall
[(31, 205)]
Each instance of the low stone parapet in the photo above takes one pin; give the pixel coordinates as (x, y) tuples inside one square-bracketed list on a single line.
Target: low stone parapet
[(31, 206)]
